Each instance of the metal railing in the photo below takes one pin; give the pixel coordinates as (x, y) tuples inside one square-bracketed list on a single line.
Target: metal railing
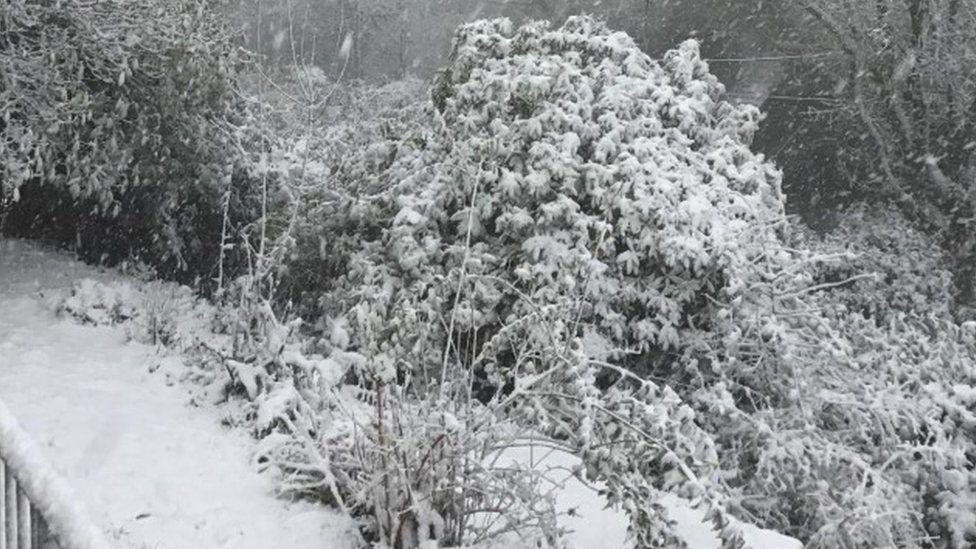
[(21, 526), (37, 509)]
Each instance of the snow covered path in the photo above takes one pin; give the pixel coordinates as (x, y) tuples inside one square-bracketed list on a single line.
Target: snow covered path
[(153, 471)]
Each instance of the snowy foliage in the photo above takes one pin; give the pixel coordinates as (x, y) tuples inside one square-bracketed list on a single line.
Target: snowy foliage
[(825, 410), (119, 122), (567, 187), (156, 312), (569, 163), (328, 146), (912, 272)]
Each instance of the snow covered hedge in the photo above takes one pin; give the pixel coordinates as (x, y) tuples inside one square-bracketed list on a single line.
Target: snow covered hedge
[(573, 243), (119, 128), (565, 162)]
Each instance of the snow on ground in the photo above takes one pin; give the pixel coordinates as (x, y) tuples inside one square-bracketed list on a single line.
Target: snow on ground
[(153, 471)]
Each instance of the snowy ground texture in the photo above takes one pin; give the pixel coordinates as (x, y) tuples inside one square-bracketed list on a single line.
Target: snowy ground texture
[(157, 472)]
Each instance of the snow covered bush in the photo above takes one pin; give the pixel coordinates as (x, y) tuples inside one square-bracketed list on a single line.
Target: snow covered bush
[(535, 185), (636, 438), (567, 162), (912, 273), (572, 204), (119, 128), (100, 304), (825, 410), (321, 151), (155, 312)]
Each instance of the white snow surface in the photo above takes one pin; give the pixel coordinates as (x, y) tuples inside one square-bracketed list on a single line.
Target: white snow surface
[(151, 470)]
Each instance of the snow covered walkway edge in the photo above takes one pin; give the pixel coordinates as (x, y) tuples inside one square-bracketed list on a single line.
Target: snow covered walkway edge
[(48, 493)]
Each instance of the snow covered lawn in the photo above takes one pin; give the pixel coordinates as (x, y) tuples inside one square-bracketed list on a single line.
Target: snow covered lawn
[(155, 472)]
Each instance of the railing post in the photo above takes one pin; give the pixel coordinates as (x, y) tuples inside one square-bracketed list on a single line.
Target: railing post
[(11, 504), (3, 505), (24, 515), (37, 528)]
